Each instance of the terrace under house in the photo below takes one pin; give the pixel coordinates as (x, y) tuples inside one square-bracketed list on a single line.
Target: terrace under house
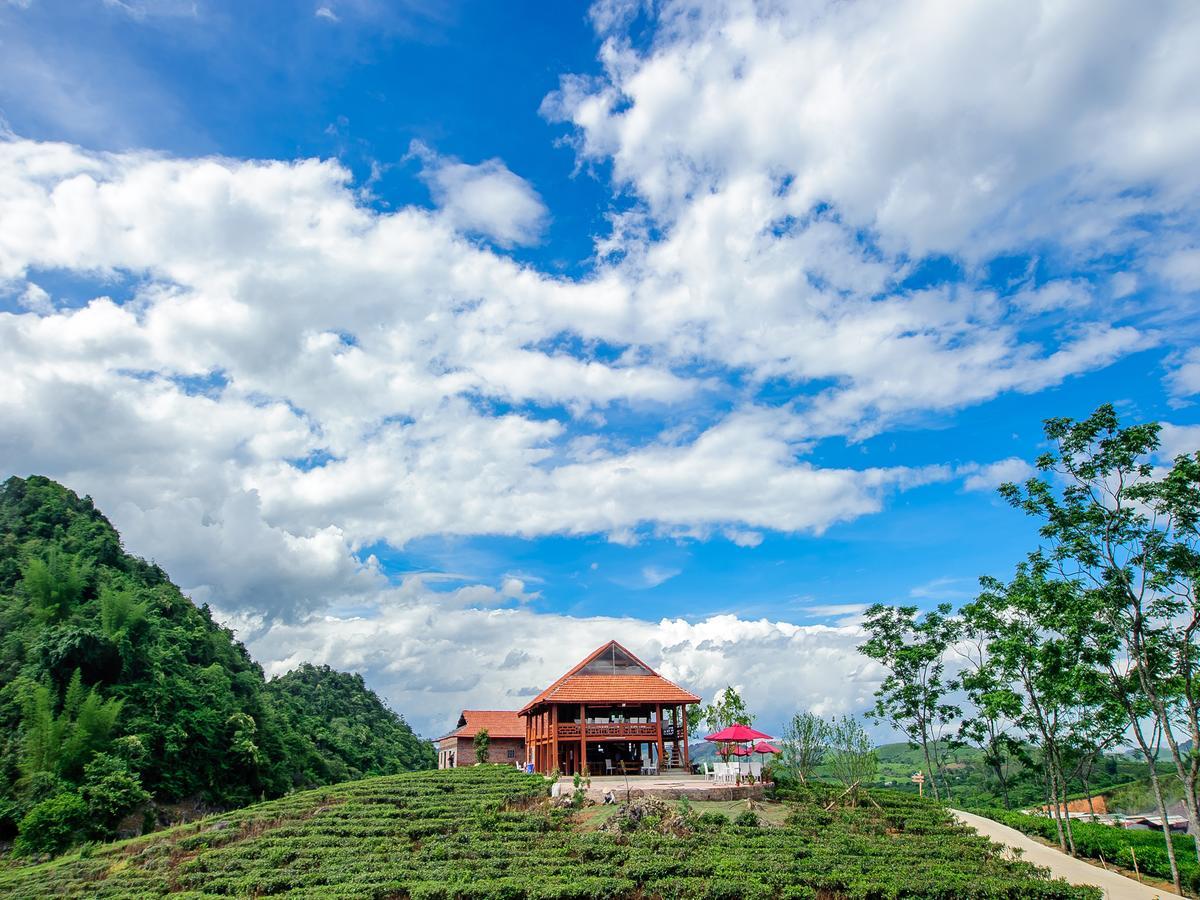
[(610, 714)]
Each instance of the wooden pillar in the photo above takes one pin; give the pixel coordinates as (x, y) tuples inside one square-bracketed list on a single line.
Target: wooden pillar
[(687, 759), (554, 737), (658, 711), (582, 737)]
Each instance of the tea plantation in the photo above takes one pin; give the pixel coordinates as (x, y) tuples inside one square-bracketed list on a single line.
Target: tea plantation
[(488, 832)]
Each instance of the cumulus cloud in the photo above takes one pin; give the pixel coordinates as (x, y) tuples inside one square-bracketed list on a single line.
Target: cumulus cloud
[(298, 376), (966, 130), (431, 661), (991, 476), (273, 377), (1184, 377), (486, 198)]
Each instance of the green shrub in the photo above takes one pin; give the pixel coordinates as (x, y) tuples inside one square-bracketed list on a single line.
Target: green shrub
[(110, 789), (712, 820), (52, 825), (747, 819)]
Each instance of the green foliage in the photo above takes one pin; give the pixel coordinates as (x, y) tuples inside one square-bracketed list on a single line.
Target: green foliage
[(912, 697), (52, 825), (805, 744), (486, 833), (851, 755), (60, 744), (53, 585), (111, 789), (481, 742), (728, 708), (747, 819), (337, 729), (101, 654), (1113, 845)]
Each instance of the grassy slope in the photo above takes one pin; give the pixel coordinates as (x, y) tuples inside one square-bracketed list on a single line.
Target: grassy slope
[(483, 832)]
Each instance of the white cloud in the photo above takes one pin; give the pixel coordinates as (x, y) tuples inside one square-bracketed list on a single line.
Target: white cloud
[(297, 376), (486, 198), (279, 322), (964, 129), (991, 476), (1184, 377), (1181, 269), (326, 12), (653, 576), (432, 659), (1175, 440)]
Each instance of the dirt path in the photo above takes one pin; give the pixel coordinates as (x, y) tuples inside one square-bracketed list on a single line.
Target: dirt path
[(1076, 871)]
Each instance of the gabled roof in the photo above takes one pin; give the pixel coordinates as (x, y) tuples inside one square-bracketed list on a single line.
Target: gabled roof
[(499, 723), (612, 674)]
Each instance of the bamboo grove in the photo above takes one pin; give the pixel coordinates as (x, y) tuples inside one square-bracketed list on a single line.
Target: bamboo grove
[(1088, 647)]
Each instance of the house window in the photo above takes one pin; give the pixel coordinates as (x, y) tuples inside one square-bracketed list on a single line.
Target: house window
[(512, 754)]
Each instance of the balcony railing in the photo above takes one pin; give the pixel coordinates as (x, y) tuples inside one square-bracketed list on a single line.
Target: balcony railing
[(610, 729)]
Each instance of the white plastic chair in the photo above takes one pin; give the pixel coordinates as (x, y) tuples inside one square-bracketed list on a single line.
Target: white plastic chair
[(709, 774), (756, 770), (608, 767)]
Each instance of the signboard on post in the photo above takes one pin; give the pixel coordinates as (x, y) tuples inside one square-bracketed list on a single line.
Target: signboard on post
[(919, 780)]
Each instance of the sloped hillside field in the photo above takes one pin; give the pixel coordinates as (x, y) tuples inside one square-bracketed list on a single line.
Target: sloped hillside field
[(489, 832)]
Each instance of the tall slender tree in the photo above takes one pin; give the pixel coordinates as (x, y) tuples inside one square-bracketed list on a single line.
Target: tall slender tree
[(913, 696), (1129, 535)]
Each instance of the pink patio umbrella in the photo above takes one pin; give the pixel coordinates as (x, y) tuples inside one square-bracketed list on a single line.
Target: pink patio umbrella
[(737, 734), (762, 748)]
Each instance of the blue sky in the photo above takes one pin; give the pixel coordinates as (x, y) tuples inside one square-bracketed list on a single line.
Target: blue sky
[(402, 332)]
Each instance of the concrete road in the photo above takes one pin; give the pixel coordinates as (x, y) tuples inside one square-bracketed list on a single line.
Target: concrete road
[(1076, 871)]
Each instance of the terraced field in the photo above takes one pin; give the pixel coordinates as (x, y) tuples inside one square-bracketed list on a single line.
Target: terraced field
[(488, 833)]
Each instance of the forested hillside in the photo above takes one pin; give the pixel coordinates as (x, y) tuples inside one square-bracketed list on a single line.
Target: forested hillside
[(115, 688), (338, 730)]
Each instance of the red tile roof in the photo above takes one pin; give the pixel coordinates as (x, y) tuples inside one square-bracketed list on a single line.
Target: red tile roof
[(579, 688), (500, 723)]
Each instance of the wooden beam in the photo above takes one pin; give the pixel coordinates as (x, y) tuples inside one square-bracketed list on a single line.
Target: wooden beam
[(687, 759), (658, 710), (583, 737), (554, 737)]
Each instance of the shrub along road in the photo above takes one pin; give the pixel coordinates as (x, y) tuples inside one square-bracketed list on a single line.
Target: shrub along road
[(1076, 871)]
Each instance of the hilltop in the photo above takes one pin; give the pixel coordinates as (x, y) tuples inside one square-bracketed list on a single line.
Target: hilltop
[(119, 696), (490, 832)]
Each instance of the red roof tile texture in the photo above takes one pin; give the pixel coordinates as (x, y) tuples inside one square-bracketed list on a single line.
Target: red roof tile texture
[(575, 687), (499, 723)]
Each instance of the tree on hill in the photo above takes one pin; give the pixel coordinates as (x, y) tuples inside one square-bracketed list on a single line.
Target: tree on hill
[(101, 655), (338, 729), (805, 744)]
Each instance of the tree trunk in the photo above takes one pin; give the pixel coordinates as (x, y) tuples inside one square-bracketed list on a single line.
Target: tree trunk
[(929, 766), (1052, 803), (1152, 765)]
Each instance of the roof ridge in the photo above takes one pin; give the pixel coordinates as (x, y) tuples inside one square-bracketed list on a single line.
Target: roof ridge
[(573, 672)]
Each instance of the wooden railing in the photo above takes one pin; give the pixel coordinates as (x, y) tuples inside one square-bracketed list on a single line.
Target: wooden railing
[(610, 729)]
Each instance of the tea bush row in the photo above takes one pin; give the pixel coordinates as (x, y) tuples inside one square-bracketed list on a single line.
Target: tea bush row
[(1114, 845), (484, 833)]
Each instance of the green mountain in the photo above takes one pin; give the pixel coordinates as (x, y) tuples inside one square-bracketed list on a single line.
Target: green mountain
[(340, 729), (114, 685)]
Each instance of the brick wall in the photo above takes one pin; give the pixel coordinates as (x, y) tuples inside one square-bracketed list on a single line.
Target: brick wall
[(498, 751), (1099, 806)]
